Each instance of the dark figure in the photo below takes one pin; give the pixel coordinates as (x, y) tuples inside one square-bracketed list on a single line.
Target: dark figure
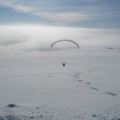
[(63, 64)]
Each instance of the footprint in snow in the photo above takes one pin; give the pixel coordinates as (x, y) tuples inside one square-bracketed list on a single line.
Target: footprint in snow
[(110, 93), (94, 88)]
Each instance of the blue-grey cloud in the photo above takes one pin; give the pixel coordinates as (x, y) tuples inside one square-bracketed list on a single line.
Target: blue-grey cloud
[(60, 18), (79, 13)]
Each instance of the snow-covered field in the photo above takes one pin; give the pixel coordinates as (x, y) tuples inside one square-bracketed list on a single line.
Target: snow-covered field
[(35, 85)]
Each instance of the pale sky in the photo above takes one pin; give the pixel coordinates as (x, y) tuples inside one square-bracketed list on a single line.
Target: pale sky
[(67, 13)]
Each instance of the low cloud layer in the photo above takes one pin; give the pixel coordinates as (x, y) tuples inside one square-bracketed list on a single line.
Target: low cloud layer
[(37, 37)]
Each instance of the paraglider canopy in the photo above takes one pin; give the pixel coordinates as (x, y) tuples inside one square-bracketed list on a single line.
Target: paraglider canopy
[(64, 41)]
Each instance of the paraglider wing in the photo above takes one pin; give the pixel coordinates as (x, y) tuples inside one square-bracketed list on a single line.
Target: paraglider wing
[(63, 41)]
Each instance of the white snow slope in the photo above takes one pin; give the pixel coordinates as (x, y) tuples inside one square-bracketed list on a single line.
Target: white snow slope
[(40, 88), (35, 86)]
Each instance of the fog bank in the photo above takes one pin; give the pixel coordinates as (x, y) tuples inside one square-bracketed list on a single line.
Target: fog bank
[(39, 37)]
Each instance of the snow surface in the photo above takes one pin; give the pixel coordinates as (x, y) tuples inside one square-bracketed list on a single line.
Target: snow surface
[(87, 88)]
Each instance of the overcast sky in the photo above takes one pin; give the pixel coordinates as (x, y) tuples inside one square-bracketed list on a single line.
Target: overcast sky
[(73, 13)]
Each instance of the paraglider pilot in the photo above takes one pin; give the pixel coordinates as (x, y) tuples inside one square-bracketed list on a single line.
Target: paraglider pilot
[(63, 64)]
